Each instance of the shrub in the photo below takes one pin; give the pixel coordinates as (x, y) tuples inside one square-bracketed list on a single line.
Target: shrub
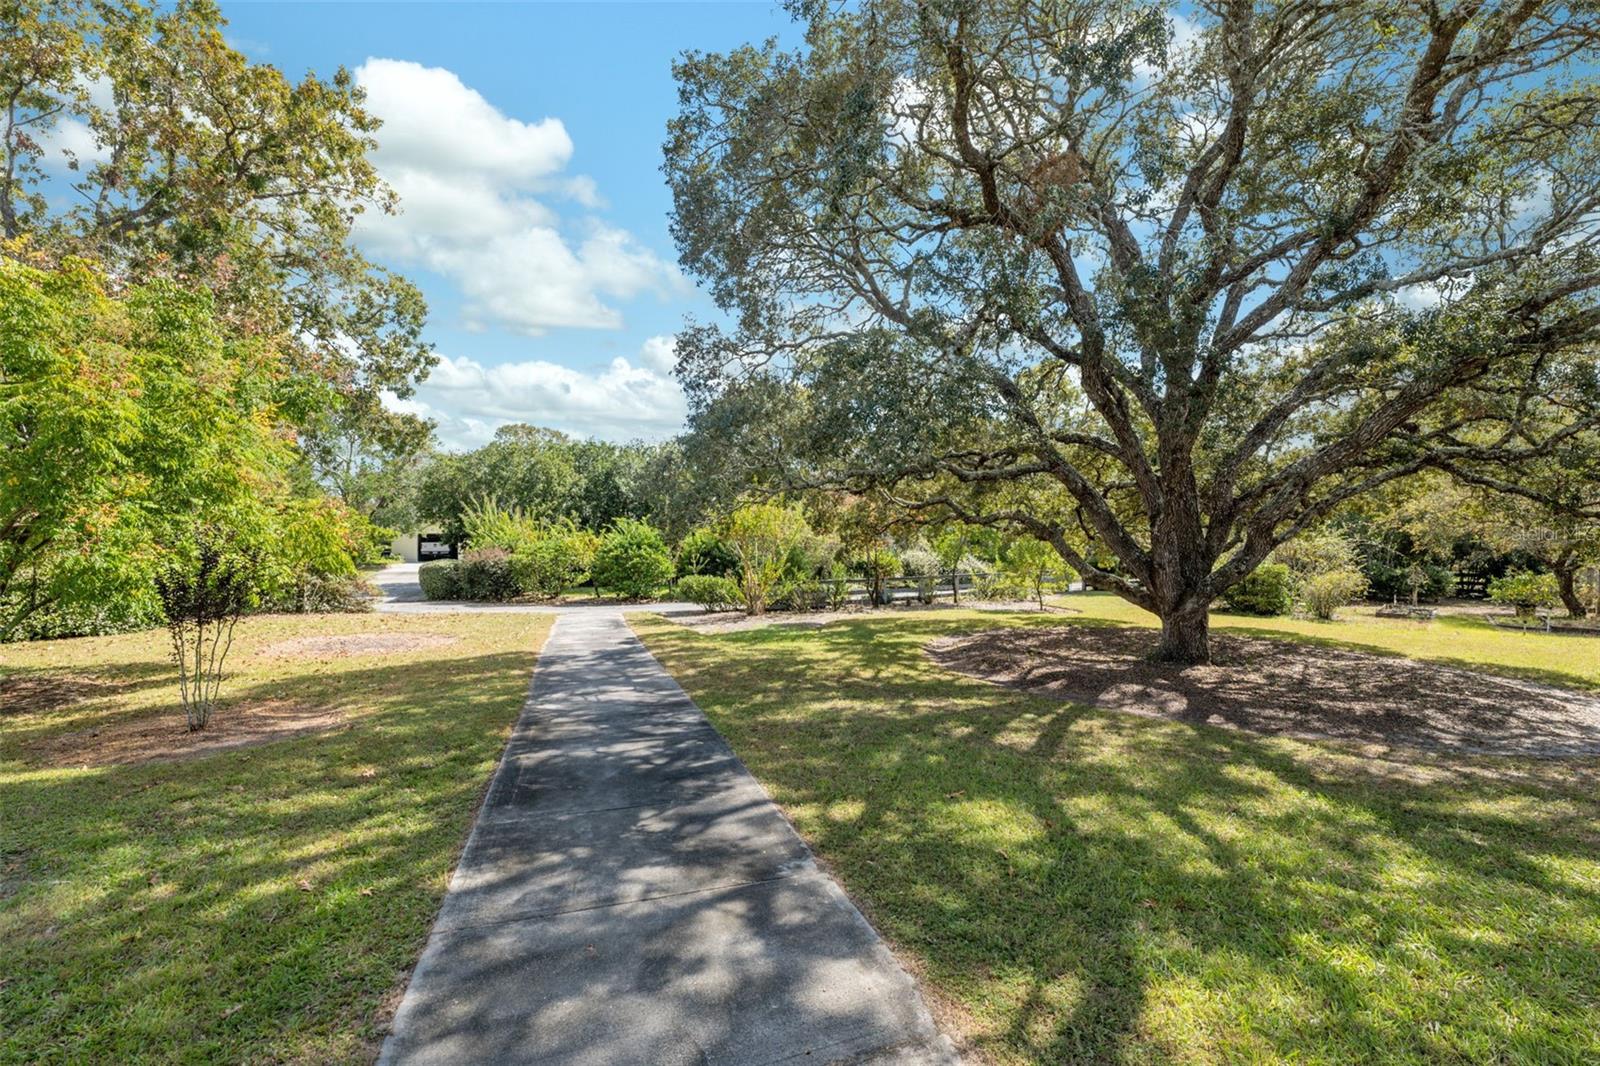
[(310, 593), (921, 561), (632, 560), (1525, 591), (703, 552), (711, 592), (798, 592), (763, 536), (489, 525), (836, 588), (1267, 590), (1325, 593), (439, 581), (556, 559), (485, 575)]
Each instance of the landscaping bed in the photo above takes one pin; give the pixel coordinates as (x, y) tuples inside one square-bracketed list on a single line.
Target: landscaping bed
[(1274, 686)]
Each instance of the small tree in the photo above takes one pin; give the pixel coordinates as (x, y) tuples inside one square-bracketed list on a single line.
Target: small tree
[(763, 536), (632, 559), (1028, 563), (204, 587)]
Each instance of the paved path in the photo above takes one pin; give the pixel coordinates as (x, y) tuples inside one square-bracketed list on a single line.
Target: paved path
[(630, 895)]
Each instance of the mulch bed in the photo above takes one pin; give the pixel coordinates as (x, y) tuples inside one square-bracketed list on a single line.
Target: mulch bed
[(166, 738), (1290, 689)]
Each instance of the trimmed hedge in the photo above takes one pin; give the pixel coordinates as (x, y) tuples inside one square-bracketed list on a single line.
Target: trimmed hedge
[(487, 575), (438, 580)]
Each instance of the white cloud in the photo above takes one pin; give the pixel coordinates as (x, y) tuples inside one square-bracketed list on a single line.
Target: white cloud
[(660, 354), (470, 180), (621, 401), (71, 138)]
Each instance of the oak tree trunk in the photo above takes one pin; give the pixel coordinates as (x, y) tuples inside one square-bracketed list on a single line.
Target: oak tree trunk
[(1566, 581), (1185, 634)]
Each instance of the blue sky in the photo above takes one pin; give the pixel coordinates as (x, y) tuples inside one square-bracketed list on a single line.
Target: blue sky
[(525, 140)]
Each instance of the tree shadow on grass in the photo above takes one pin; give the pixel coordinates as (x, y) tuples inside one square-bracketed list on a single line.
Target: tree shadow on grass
[(1091, 888), (255, 903)]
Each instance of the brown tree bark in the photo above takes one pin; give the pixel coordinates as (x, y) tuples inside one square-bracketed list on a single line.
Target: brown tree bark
[(1567, 581), (1185, 635)]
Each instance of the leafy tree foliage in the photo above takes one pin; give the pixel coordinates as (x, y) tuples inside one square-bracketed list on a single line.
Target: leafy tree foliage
[(214, 172), (123, 420), (1525, 591), (548, 476), (702, 551), (1161, 305)]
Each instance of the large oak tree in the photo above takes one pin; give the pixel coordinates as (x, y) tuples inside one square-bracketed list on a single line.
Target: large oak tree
[(1158, 285)]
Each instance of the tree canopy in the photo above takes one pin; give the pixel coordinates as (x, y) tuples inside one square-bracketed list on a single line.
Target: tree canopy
[(194, 164), (1161, 299)]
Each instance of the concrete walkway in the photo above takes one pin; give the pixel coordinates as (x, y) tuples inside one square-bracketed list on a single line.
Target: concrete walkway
[(630, 895)]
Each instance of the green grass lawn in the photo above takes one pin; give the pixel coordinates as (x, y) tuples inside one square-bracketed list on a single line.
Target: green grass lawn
[(258, 904), (1083, 886), (1566, 659)]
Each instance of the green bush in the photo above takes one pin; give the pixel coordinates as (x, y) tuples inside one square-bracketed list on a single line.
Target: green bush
[(311, 593), (632, 560), (484, 575), (555, 559), (439, 580), (712, 593), (489, 525), (1268, 590), (1525, 591), (765, 538), (1325, 593), (836, 587), (703, 552), (798, 592)]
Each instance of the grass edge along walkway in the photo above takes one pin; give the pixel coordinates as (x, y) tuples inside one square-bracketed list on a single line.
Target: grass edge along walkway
[(259, 904), (1085, 886)]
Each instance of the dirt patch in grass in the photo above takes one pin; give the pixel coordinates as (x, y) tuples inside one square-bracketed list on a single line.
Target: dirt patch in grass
[(1276, 687), (166, 737), (33, 693), (342, 647)]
